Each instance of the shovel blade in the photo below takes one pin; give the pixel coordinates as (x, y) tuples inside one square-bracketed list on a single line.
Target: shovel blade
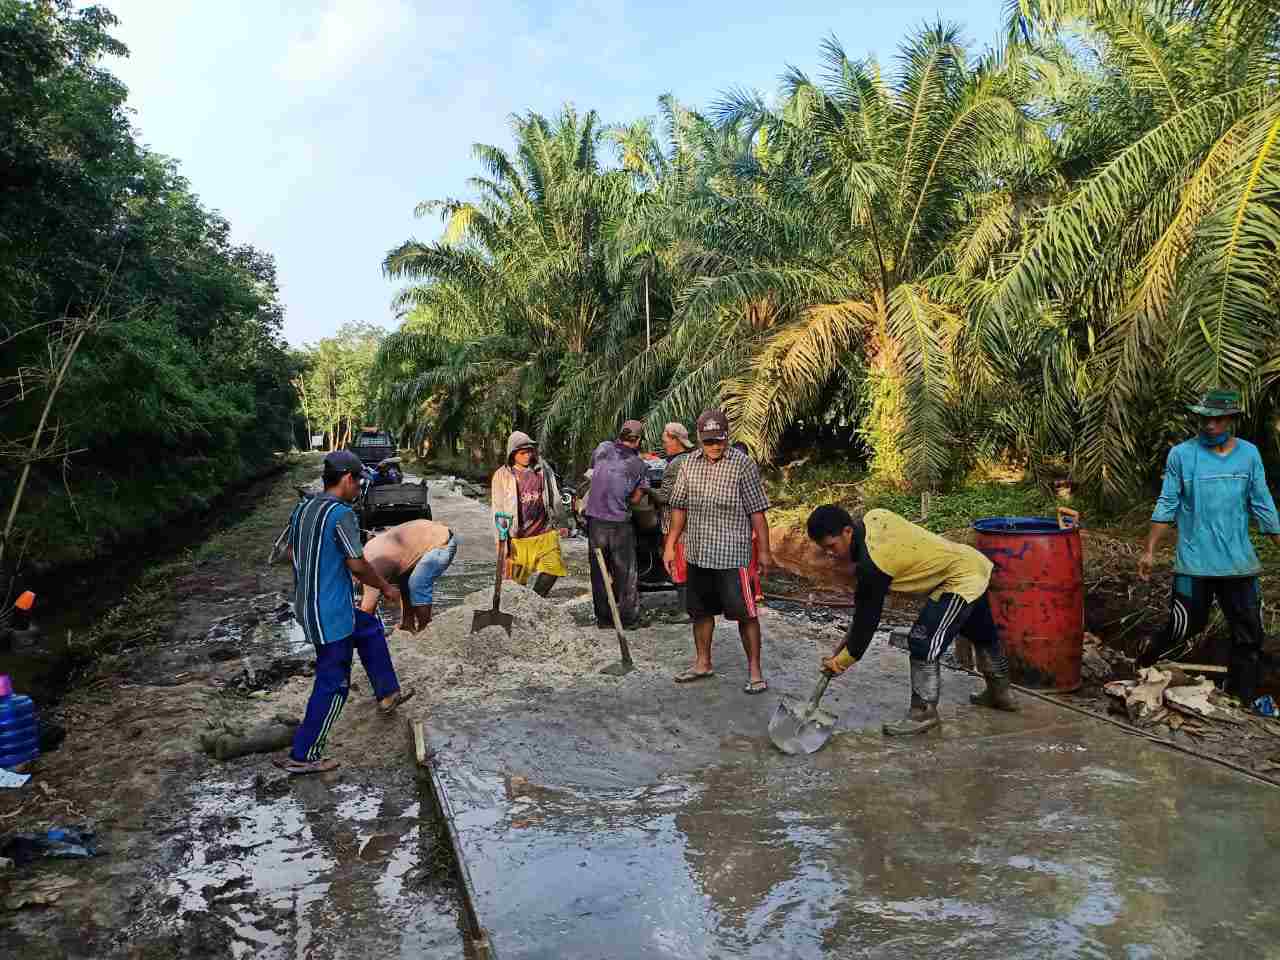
[(797, 728), (491, 618), (619, 669)]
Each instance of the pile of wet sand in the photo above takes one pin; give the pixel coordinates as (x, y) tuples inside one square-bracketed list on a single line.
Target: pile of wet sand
[(446, 662)]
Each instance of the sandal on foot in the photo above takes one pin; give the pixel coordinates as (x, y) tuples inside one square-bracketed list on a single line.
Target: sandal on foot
[(299, 767), (755, 686), (691, 675), (404, 695)]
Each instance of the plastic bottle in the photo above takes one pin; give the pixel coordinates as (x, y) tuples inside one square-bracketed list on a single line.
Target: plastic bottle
[(19, 729)]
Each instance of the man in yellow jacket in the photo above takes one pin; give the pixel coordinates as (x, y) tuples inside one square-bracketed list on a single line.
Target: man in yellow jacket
[(889, 552)]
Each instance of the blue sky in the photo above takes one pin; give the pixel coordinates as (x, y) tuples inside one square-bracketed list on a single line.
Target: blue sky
[(316, 127)]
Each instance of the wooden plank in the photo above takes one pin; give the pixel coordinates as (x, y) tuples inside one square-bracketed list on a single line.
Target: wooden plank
[(1191, 667), (419, 741), (479, 946)]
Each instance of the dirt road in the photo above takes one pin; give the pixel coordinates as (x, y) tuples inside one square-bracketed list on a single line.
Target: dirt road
[(202, 859)]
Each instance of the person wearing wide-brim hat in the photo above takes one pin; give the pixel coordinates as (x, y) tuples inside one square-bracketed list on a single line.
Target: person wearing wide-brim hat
[(1213, 483)]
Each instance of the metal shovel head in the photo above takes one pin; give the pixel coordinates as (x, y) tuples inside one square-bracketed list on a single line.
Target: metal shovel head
[(798, 728), (619, 669), (492, 618)]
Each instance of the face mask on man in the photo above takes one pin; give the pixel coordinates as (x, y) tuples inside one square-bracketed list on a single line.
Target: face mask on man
[(1214, 440)]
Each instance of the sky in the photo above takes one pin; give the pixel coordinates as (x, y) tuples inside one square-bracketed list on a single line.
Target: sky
[(316, 127)]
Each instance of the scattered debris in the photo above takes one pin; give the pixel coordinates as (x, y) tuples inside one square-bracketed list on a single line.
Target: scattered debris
[(1160, 696), (1143, 699), (226, 741), (11, 780), (42, 891), (271, 677), (1100, 663), (59, 843)]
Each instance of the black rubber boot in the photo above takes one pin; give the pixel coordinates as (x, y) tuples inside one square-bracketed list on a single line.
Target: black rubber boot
[(1242, 675), (543, 583), (995, 670), (926, 685)]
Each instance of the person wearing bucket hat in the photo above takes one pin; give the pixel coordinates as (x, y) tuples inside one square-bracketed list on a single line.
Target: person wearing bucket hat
[(526, 490), (1213, 484)]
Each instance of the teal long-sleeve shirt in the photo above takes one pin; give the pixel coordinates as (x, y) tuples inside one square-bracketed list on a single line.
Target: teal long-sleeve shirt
[(1211, 498)]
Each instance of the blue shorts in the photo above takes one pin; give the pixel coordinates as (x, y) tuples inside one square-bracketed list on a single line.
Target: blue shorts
[(422, 581)]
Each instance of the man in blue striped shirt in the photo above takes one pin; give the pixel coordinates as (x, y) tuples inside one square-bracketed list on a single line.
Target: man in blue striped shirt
[(324, 546)]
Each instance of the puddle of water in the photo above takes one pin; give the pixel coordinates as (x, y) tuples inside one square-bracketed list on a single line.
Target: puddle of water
[(307, 874)]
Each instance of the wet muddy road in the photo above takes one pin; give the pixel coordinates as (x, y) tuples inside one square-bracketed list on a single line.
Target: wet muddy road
[(207, 859), (604, 817)]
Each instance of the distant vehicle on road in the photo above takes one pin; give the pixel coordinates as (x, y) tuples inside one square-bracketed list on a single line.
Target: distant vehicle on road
[(372, 445), (386, 499)]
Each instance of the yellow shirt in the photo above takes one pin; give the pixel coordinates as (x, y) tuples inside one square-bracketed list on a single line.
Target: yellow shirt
[(922, 562)]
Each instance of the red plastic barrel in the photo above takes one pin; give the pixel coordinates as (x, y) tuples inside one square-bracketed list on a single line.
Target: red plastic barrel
[(1037, 597)]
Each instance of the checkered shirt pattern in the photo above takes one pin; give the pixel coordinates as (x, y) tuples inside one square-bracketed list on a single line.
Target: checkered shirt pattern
[(720, 497)]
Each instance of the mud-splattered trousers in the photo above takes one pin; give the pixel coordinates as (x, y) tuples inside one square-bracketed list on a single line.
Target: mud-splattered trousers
[(333, 681), (1240, 600)]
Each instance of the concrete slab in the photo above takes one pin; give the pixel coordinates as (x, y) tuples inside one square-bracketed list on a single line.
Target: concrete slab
[(641, 819)]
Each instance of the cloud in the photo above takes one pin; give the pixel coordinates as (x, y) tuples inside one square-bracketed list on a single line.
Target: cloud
[(343, 36)]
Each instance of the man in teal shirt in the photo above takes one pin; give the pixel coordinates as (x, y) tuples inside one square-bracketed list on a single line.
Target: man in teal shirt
[(1212, 484)]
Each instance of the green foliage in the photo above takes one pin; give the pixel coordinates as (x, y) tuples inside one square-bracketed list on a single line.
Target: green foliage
[(336, 390), (183, 363), (794, 494), (1035, 255)]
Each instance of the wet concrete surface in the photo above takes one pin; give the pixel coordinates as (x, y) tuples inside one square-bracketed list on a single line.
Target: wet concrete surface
[(648, 820)]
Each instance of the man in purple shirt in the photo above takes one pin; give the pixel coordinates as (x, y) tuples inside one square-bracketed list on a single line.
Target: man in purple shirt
[(618, 480)]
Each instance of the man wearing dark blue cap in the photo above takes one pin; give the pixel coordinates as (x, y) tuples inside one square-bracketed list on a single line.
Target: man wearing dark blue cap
[(1213, 483), (324, 546)]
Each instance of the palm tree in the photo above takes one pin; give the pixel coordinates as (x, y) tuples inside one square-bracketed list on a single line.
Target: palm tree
[(823, 238), (520, 276), (1164, 252)]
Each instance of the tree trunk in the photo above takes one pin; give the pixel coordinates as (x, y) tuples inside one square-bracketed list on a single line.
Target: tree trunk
[(35, 437)]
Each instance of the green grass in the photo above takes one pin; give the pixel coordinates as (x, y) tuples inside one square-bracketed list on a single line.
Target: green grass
[(806, 487), (71, 519)]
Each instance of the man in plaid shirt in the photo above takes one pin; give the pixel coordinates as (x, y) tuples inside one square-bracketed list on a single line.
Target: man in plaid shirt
[(718, 501)]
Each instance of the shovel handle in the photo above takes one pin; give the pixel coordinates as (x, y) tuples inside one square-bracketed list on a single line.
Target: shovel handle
[(819, 690), (498, 577)]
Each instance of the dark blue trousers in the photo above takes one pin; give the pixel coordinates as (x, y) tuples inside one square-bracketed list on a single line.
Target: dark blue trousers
[(333, 680)]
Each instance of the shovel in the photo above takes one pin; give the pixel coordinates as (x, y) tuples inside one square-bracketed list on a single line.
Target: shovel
[(495, 617), (801, 726), (626, 666)]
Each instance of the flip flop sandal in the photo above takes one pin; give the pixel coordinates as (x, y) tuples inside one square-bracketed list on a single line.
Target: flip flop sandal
[(402, 696), (692, 676), (755, 686), (300, 767)]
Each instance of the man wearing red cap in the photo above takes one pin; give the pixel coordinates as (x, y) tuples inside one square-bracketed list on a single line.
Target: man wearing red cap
[(718, 502)]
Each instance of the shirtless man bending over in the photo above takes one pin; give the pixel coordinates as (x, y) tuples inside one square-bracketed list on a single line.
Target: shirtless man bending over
[(411, 555)]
